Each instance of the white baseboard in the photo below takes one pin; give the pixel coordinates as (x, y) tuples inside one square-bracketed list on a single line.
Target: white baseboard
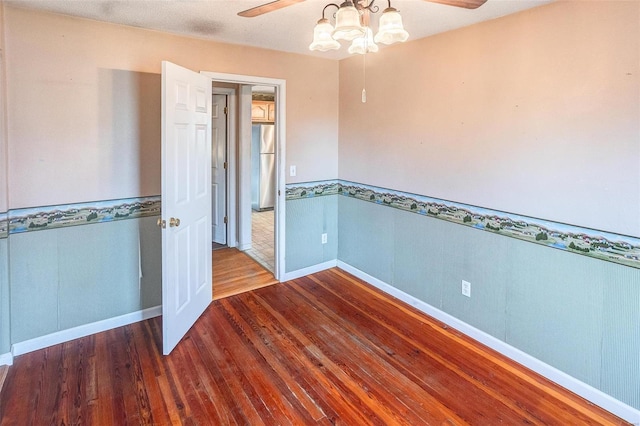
[(6, 359), (83, 330), (244, 247), (586, 391), (309, 270)]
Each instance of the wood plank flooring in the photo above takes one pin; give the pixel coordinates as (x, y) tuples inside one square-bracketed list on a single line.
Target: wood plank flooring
[(4, 369), (324, 349), (235, 272)]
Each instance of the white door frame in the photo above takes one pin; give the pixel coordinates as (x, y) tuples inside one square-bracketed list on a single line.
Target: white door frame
[(279, 208), (232, 235)]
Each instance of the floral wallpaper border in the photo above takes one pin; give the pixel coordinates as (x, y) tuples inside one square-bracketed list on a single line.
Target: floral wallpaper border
[(617, 248), (621, 249), (312, 189), (4, 225), (60, 216)]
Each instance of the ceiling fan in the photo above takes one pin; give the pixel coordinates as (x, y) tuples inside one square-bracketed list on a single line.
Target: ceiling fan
[(279, 4)]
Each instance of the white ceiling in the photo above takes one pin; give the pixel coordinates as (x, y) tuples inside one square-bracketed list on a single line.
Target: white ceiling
[(289, 29)]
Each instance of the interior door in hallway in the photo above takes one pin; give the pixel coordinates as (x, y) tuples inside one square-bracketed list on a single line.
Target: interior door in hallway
[(186, 200), (219, 168)]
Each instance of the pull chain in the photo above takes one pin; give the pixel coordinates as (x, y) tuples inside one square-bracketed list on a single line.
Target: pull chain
[(364, 74)]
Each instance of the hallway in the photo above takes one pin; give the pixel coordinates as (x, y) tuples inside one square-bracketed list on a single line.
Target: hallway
[(263, 239)]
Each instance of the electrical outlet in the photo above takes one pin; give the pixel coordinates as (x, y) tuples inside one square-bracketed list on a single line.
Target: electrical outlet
[(292, 170), (324, 238), (466, 288)]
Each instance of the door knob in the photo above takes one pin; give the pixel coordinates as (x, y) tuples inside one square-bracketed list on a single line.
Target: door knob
[(161, 223), (174, 222)]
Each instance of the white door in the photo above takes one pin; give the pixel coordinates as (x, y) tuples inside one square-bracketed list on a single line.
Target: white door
[(186, 200), (218, 168)]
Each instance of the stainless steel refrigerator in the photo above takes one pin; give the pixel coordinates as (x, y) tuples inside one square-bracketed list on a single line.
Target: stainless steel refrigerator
[(263, 167)]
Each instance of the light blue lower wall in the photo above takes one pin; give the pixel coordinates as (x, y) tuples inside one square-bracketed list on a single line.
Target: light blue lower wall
[(5, 341), (572, 312), (306, 220), (66, 277)]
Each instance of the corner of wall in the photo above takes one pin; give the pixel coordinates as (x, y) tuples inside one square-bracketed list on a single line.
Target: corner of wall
[(4, 242)]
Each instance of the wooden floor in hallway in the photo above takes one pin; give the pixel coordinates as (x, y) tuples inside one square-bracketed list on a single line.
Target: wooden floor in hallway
[(323, 349), (4, 369), (235, 272)]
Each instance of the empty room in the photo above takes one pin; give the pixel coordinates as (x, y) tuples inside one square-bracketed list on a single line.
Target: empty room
[(447, 194)]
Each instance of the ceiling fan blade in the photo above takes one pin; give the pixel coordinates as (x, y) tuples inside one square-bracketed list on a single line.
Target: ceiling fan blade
[(267, 7), (467, 4)]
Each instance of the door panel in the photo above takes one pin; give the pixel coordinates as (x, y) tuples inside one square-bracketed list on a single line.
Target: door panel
[(186, 201), (181, 165), (181, 254), (201, 160), (204, 256)]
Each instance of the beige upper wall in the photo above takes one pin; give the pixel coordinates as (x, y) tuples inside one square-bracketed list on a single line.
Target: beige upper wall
[(84, 106), (536, 113), (3, 133)]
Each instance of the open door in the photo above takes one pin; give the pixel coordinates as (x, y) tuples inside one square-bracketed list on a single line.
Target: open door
[(219, 169), (186, 200)]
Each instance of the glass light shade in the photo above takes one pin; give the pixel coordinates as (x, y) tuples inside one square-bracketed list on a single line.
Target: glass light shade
[(347, 23), (390, 29), (322, 39), (364, 44)]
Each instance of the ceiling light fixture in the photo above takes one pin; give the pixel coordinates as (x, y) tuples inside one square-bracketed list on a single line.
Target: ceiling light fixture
[(352, 24)]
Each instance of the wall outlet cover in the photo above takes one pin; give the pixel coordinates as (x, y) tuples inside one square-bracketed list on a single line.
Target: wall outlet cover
[(466, 288)]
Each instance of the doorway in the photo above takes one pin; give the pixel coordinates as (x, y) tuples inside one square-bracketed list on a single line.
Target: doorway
[(240, 227), (186, 220), (260, 250)]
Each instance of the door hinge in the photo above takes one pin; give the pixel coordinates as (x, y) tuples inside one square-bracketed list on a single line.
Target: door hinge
[(225, 165), (278, 192), (225, 220), (226, 110)]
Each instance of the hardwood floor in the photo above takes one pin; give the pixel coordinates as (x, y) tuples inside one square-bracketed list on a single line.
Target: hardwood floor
[(235, 272), (323, 349), (3, 375)]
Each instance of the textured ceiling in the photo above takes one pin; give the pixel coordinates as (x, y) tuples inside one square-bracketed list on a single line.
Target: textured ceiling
[(289, 29)]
